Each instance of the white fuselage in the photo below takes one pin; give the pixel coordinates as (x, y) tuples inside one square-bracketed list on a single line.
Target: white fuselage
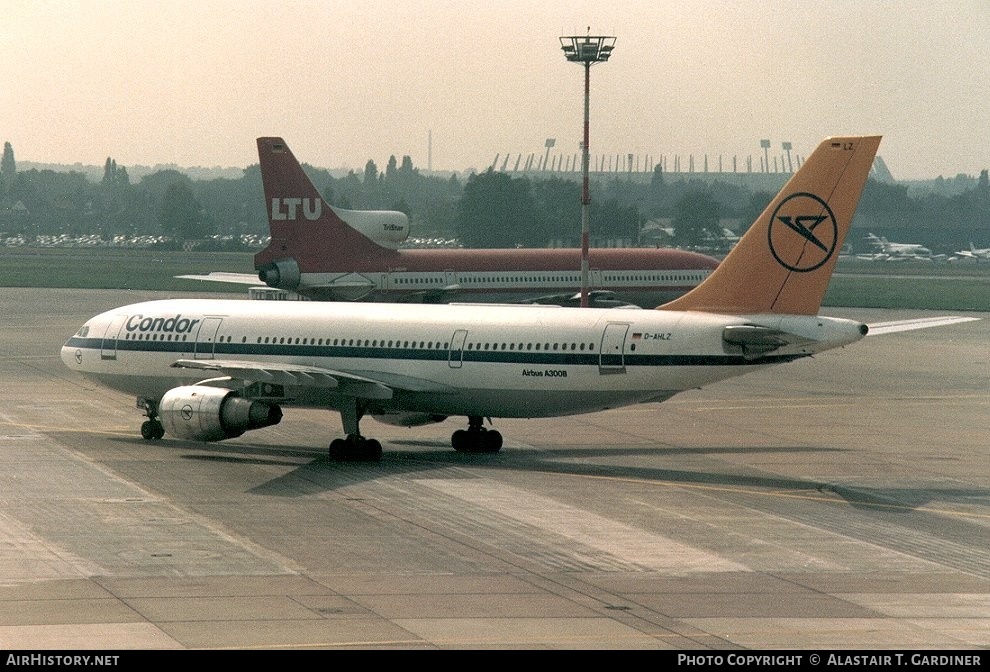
[(472, 360)]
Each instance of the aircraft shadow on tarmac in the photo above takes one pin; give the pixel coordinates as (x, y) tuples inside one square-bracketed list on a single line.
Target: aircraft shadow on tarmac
[(932, 520), (318, 473)]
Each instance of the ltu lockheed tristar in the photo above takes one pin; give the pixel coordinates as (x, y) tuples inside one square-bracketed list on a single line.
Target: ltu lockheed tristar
[(209, 370), (326, 253)]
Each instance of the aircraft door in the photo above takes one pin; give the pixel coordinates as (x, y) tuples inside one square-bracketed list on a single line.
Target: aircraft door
[(595, 281), (108, 350), (612, 353), (455, 356), (206, 337)]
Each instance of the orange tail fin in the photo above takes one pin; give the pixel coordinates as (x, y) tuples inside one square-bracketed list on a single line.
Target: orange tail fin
[(784, 262)]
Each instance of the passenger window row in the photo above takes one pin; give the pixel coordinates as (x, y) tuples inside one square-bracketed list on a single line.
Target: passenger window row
[(352, 342), (631, 277), (531, 346), (381, 343)]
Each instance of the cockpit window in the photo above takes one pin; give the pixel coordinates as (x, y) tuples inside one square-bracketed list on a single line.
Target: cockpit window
[(83, 331)]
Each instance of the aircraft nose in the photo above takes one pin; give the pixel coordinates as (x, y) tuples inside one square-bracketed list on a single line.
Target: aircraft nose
[(71, 354)]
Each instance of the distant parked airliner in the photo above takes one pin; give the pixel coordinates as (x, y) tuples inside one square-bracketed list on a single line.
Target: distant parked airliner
[(331, 254)]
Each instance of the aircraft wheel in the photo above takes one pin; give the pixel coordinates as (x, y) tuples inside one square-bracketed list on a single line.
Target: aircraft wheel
[(373, 450), (338, 449), (355, 449), (492, 441), (461, 441), (151, 430)]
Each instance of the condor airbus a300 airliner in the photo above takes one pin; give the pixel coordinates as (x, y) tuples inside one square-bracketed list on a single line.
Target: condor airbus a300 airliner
[(213, 369), (329, 254)]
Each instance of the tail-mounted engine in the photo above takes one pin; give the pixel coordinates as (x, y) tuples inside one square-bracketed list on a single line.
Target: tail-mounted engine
[(204, 413), (281, 274)]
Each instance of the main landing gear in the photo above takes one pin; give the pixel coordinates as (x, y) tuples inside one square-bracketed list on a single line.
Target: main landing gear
[(151, 429), (476, 438), (354, 448)]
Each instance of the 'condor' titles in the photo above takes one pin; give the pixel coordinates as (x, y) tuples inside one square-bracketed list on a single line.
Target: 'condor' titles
[(168, 325)]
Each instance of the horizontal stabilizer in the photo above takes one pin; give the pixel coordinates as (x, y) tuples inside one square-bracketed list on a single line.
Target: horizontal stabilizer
[(919, 323)]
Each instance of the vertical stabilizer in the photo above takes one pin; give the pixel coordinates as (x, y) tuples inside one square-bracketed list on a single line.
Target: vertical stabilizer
[(784, 262), (306, 232)]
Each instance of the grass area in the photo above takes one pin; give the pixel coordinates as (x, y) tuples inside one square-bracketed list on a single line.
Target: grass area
[(912, 285), (915, 292), (855, 285), (114, 268)]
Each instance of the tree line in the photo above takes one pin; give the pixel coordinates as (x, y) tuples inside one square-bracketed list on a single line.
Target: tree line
[(490, 209)]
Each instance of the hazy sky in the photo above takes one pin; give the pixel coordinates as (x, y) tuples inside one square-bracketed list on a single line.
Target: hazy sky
[(194, 82)]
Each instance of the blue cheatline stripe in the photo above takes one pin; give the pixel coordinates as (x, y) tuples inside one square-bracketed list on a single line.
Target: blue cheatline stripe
[(233, 350)]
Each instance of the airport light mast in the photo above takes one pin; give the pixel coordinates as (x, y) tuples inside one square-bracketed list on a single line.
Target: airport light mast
[(586, 50)]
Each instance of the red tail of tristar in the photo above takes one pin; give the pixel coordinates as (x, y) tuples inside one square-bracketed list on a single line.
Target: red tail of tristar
[(783, 264), (307, 234)]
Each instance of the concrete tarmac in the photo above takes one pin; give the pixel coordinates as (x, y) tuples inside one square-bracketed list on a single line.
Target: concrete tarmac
[(841, 502)]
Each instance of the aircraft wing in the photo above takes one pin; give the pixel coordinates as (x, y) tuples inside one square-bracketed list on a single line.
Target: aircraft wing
[(352, 287), (223, 276), (918, 323), (445, 294), (598, 298), (374, 385)]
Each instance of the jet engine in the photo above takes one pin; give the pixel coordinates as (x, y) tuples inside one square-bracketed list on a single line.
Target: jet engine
[(409, 419), (204, 413), (281, 274)]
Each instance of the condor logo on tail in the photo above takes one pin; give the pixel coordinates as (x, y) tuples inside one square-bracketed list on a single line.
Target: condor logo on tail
[(284, 209), (792, 218)]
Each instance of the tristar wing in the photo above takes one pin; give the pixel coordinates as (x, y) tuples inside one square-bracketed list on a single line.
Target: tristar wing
[(223, 276), (601, 298), (445, 294)]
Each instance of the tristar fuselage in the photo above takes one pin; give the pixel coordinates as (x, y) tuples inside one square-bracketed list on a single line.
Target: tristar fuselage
[(491, 360), (332, 254)]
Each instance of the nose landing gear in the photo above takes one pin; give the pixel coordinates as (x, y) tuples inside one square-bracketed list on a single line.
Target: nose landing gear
[(151, 429)]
